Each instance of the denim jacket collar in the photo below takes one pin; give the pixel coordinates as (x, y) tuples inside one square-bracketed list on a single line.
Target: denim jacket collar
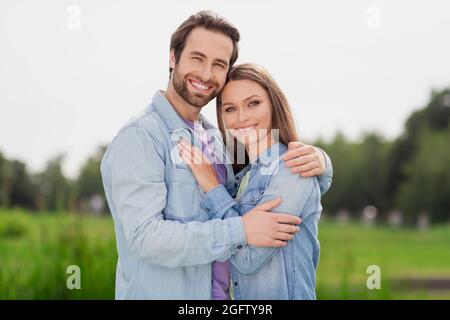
[(268, 156), (170, 117)]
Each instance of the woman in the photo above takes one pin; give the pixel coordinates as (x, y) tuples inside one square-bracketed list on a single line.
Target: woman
[(253, 109)]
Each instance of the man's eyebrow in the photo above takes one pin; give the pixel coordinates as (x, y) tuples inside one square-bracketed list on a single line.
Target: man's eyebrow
[(198, 53), (252, 96), (222, 62)]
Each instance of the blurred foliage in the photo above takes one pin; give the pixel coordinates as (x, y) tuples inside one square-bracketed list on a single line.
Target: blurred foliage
[(36, 256), (50, 190), (410, 173)]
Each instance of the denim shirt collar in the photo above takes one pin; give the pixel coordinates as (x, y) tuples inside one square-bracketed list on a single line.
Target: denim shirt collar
[(268, 156), (265, 159), (170, 117)]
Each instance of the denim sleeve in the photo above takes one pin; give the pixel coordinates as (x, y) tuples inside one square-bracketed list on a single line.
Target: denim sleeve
[(219, 204), (327, 177), (300, 196), (138, 192)]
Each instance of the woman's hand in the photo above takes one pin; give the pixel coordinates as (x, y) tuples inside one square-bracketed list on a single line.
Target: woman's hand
[(200, 165)]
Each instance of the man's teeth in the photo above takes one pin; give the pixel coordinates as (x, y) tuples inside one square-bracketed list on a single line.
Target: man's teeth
[(199, 85), (246, 129)]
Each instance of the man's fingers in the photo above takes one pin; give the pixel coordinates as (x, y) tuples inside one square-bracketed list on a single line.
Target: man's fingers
[(287, 218), (278, 243), (295, 153), (295, 144), (299, 161), (310, 173), (269, 205), (305, 167), (287, 228), (284, 236), (292, 154)]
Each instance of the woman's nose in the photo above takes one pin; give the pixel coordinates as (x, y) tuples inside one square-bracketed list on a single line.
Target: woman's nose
[(242, 115)]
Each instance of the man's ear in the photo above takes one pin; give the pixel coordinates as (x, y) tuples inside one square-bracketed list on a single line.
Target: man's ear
[(172, 59)]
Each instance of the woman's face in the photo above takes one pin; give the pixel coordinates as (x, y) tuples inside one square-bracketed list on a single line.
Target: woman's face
[(246, 111)]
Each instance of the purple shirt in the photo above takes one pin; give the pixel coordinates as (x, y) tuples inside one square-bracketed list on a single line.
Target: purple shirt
[(220, 270)]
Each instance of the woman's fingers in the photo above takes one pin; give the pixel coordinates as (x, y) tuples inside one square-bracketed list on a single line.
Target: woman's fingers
[(190, 152), (195, 154)]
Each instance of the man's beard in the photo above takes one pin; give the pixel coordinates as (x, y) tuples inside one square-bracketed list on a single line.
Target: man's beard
[(196, 100)]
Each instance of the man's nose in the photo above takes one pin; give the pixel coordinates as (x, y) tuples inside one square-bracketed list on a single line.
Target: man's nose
[(206, 73)]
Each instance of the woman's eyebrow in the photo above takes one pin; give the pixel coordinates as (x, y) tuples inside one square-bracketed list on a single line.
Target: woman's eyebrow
[(252, 96), (246, 99)]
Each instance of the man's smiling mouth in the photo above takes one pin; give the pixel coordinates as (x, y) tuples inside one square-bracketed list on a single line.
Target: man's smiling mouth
[(199, 86)]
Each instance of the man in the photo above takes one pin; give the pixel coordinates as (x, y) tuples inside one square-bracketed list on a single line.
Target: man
[(165, 242)]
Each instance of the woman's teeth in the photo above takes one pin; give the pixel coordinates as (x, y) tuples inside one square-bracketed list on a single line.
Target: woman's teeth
[(246, 129)]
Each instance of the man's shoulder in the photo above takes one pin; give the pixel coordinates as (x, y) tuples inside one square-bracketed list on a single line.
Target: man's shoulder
[(148, 121)]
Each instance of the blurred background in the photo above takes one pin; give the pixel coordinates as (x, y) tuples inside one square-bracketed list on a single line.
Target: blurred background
[(369, 82)]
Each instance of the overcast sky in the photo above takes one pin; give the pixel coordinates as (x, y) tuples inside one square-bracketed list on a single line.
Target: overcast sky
[(72, 72)]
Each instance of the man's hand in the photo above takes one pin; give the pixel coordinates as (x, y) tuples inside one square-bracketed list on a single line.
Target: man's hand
[(305, 159), (269, 229)]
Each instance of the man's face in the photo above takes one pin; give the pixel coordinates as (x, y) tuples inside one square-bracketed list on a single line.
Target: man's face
[(201, 71)]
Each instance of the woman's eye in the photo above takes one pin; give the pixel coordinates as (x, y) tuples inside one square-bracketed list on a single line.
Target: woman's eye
[(229, 109), (253, 103)]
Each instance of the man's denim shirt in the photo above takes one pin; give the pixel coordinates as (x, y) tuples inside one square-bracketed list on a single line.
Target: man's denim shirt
[(166, 241), (273, 273)]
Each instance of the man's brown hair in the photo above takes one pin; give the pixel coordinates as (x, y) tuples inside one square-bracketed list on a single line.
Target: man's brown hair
[(210, 21)]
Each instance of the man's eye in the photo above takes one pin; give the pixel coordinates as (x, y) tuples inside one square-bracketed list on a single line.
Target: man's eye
[(196, 58), (219, 65), (253, 103)]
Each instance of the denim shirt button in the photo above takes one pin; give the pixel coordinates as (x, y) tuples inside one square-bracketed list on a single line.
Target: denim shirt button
[(236, 284), (262, 192), (239, 247), (237, 178), (253, 198)]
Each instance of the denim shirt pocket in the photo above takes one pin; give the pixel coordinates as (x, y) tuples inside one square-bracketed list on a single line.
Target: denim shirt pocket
[(183, 196), (252, 196)]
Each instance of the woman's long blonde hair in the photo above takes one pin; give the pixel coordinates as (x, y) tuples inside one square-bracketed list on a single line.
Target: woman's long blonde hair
[(281, 113)]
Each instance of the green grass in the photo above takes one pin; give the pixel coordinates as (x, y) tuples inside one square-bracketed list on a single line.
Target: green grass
[(36, 249)]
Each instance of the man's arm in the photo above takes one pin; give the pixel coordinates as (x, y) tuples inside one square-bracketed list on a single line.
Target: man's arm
[(309, 161), (133, 176), (295, 192), (133, 170)]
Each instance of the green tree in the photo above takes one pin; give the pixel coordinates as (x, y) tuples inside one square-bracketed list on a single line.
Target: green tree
[(435, 116), (53, 187), (427, 186), (89, 182)]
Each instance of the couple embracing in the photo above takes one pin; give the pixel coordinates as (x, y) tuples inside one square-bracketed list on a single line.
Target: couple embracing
[(207, 213)]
